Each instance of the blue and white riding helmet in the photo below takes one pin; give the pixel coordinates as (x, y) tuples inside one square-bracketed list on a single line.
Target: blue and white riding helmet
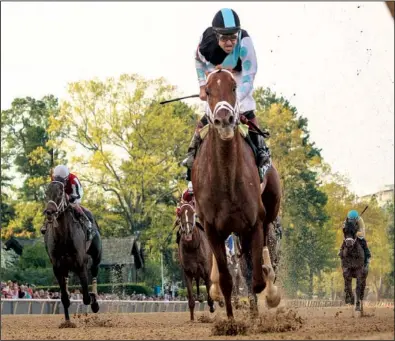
[(353, 215)]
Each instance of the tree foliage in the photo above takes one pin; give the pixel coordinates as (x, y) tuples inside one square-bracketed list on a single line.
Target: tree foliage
[(131, 145)]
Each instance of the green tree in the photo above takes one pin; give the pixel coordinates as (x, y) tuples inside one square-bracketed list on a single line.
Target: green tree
[(391, 231), (27, 146), (308, 244), (27, 220), (132, 145), (34, 256)]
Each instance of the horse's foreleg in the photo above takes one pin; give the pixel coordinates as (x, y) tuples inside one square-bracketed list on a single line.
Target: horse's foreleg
[(348, 287), (363, 286), (95, 253), (225, 279), (83, 275), (94, 305), (210, 301), (215, 290), (61, 276), (361, 283), (191, 299), (258, 282), (273, 296)]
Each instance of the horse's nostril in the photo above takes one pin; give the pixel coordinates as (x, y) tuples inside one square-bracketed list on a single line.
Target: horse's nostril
[(217, 122), (231, 119)]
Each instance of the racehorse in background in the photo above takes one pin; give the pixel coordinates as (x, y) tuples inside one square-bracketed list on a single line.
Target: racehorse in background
[(67, 247), (352, 259), (195, 255)]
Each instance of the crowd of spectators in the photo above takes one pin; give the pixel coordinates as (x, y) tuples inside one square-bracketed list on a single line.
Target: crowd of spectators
[(13, 290)]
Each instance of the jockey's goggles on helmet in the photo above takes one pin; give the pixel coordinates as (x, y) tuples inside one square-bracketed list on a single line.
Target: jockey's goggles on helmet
[(226, 37)]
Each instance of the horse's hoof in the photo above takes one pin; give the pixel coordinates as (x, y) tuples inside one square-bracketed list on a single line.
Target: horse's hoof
[(212, 309), (273, 300), (95, 307), (221, 303)]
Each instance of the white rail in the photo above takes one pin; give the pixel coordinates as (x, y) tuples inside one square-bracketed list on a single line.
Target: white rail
[(54, 306)]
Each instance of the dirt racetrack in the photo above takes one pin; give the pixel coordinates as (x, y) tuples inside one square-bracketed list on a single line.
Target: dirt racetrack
[(308, 323)]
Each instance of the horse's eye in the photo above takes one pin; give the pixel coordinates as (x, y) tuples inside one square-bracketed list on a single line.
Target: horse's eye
[(234, 88), (207, 92)]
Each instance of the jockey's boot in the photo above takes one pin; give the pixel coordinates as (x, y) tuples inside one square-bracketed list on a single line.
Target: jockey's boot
[(263, 152), (192, 149), (366, 250)]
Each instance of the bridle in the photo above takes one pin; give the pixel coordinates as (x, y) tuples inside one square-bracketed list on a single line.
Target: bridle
[(222, 105), (193, 223), (62, 205), (349, 239)]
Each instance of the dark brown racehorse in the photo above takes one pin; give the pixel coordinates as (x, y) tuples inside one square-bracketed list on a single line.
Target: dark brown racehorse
[(352, 259), (229, 196), (195, 255), (67, 248)]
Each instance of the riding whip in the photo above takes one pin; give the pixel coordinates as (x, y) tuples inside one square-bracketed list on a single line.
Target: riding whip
[(178, 99), (364, 210)]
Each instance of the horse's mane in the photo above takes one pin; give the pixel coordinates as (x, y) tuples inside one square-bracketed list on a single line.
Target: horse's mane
[(349, 224)]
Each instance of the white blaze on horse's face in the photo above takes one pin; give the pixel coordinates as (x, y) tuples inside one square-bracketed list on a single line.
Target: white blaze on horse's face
[(222, 104), (187, 221)]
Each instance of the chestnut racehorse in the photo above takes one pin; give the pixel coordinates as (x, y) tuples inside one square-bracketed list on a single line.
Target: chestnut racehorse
[(229, 196)]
